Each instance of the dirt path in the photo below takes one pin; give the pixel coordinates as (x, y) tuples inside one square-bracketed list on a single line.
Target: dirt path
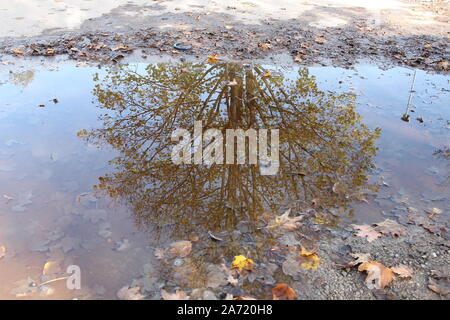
[(325, 32)]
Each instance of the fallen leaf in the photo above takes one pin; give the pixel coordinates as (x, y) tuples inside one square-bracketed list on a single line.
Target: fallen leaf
[(298, 59), (360, 258), (441, 287), (265, 46), (127, 293), (389, 226), (403, 271), (367, 232), (444, 65), (282, 291), (213, 58), (181, 248), (433, 212), (267, 74), (232, 83), (50, 52), (242, 263), (378, 276), (2, 251), (178, 295), (285, 222), (309, 260)]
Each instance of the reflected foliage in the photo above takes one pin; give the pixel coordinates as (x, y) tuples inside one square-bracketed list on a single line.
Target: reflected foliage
[(325, 150)]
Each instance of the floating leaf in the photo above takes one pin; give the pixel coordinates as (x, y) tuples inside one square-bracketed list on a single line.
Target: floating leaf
[(378, 276), (367, 232), (282, 291), (242, 263), (285, 222)]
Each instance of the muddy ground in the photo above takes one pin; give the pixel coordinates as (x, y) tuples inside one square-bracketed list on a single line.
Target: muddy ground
[(339, 33), (414, 34)]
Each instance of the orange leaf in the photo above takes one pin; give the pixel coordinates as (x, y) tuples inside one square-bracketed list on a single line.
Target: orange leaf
[(282, 291), (378, 276)]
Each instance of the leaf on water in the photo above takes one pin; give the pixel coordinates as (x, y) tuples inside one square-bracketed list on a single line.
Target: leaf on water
[(360, 258), (2, 251), (308, 259), (282, 291), (178, 295), (285, 222), (378, 276), (389, 226), (213, 58), (367, 232), (242, 263), (51, 267), (181, 248), (403, 271), (127, 293)]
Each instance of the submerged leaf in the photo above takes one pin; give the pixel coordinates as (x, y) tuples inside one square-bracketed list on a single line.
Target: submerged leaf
[(181, 248), (309, 260), (242, 263)]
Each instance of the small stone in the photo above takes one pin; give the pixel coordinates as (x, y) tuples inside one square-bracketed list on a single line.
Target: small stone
[(178, 262)]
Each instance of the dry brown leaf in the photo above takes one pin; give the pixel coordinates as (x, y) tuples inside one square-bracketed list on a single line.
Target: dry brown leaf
[(360, 258), (285, 222), (282, 291), (298, 59), (178, 295), (389, 226), (441, 287), (181, 248), (378, 276), (265, 46), (127, 293), (50, 52), (403, 271), (267, 74), (159, 253), (444, 65), (120, 47), (367, 232)]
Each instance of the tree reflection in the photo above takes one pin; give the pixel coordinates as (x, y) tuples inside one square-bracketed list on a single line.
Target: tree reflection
[(325, 150)]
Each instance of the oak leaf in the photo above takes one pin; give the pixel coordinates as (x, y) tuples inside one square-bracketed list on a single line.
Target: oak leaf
[(282, 291), (378, 276)]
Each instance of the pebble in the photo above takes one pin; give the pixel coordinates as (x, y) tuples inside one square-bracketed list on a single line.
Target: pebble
[(178, 262)]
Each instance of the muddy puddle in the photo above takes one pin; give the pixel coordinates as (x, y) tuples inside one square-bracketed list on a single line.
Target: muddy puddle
[(87, 178)]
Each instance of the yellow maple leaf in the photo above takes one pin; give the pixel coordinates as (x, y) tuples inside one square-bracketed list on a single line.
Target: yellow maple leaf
[(308, 259), (242, 263)]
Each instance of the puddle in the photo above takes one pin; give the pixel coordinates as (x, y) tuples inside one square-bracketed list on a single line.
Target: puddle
[(87, 179)]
